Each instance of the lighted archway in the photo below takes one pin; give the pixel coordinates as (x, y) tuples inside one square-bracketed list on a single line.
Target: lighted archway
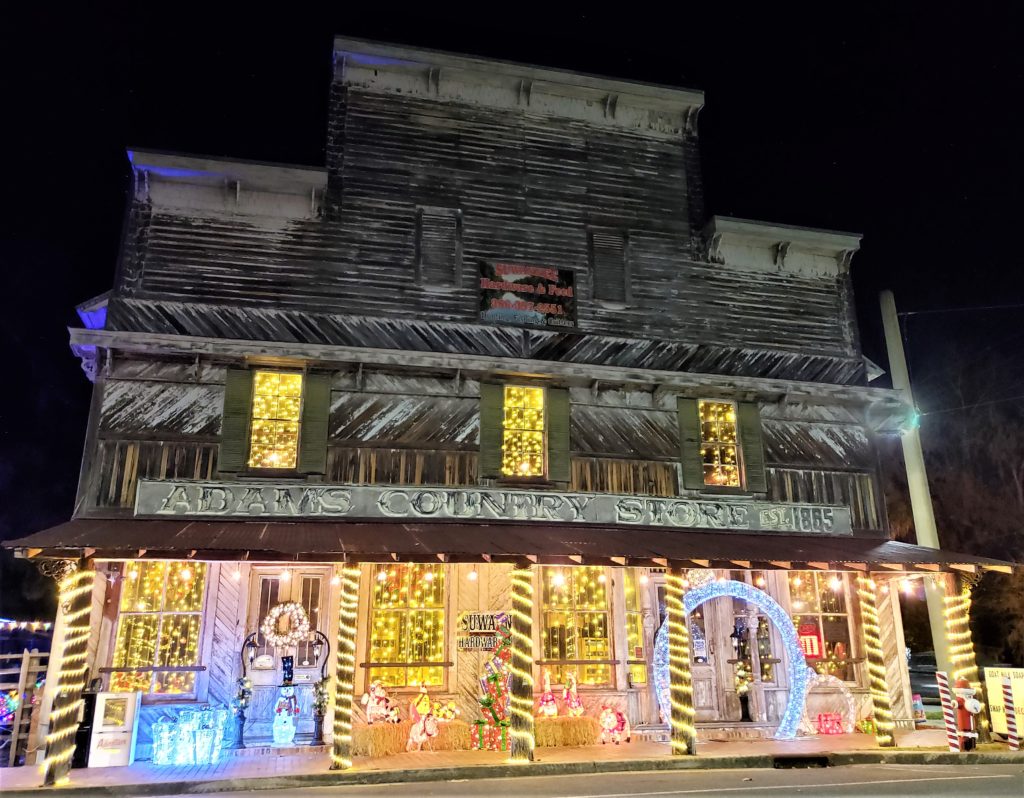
[(796, 664)]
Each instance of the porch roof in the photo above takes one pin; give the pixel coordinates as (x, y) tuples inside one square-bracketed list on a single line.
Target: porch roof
[(554, 544)]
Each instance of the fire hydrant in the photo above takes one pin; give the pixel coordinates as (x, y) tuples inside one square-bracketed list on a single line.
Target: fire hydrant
[(967, 707)]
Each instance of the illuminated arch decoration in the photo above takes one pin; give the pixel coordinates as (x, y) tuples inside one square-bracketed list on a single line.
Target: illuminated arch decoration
[(828, 681), (797, 664)]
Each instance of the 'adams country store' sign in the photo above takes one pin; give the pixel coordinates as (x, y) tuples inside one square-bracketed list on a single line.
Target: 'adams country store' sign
[(372, 502)]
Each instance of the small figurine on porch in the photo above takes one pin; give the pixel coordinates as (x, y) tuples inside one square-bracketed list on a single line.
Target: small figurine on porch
[(445, 712), (967, 707), (424, 724), (614, 725), (285, 710), (571, 698), (546, 705), (378, 705)]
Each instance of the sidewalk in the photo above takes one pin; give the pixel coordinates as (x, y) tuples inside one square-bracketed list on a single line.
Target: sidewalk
[(275, 772)]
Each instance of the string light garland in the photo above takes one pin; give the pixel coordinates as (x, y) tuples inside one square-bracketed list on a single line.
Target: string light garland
[(718, 443), (521, 666), (298, 625), (681, 714), (75, 591), (345, 669), (522, 445), (956, 613), (35, 626), (884, 724)]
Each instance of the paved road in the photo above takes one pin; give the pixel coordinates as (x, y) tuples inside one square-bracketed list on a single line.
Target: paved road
[(876, 781)]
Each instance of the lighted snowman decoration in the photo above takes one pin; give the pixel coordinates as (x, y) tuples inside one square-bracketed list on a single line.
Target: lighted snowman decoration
[(285, 710)]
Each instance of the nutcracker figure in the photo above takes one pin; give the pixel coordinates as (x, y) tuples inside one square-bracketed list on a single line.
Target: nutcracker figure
[(967, 707)]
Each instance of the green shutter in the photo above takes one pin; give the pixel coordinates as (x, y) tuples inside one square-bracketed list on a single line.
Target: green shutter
[(234, 433), (316, 410), (557, 412), (492, 416), (689, 443), (748, 416)]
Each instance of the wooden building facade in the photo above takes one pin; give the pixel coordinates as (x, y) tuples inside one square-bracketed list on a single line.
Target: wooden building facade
[(495, 332)]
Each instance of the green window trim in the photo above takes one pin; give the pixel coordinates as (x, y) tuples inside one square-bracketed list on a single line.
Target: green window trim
[(557, 418), (751, 447)]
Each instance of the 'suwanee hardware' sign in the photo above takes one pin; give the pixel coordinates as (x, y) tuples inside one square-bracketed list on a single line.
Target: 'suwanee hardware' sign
[(378, 502)]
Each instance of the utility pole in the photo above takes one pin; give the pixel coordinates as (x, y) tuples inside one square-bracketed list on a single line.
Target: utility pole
[(917, 481)]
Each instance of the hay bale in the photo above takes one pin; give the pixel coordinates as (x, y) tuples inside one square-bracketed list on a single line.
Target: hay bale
[(385, 739), (566, 731)]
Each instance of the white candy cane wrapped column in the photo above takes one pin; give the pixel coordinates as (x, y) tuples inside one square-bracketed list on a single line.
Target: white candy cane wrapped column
[(948, 711), (1011, 716)]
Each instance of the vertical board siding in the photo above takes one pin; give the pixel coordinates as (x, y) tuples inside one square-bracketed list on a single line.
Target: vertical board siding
[(400, 466), (228, 618), (597, 475), (857, 490), (122, 463)]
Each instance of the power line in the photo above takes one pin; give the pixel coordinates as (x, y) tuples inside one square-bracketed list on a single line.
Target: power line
[(976, 404), (1015, 306)]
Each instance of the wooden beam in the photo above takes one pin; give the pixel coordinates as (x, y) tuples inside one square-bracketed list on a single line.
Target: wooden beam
[(821, 566), (30, 553), (1003, 569), (786, 564), (858, 566), (619, 560), (660, 561), (576, 558), (702, 563), (970, 569), (741, 563), (892, 566)]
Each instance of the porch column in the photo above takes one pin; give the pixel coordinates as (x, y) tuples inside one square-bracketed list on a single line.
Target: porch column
[(876, 663), (75, 600), (684, 734), (957, 616), (345, 668), (521, 683)]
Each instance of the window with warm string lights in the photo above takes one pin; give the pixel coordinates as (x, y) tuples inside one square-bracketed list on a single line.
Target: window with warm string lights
[(407, 624), (718, 443), (276, 414), (158, 629), (522, 443), (575, 634)]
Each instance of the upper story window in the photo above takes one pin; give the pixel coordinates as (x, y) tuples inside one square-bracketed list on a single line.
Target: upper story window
[(276, 414), (275, 420), (722, 445), (609, 266), (718, 443), (158, 628), (438, 247), (522, 445)]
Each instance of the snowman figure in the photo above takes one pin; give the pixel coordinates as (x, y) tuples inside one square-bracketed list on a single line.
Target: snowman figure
[(285, 710)]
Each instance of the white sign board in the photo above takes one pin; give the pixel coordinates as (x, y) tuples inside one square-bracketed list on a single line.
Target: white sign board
[(994, 691)]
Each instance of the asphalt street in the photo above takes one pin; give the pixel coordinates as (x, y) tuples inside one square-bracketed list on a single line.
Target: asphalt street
[(876, 781)]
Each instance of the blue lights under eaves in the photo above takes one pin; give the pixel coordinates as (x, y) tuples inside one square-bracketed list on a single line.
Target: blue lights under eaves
[(93, 318), (171, 171)]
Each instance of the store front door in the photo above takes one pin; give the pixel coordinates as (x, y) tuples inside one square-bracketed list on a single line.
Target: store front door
[(268, 587)]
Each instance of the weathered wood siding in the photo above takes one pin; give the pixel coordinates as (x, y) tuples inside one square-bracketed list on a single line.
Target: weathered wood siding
[(529, 186), (161, 408)]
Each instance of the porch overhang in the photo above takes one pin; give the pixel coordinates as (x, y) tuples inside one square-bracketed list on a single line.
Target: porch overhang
[(522, 543)]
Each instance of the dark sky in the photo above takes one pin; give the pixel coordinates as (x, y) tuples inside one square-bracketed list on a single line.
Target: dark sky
[(903, 125)]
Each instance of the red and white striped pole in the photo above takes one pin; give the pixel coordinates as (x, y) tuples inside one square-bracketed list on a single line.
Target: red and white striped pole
[(1011, 716), (948, 711)]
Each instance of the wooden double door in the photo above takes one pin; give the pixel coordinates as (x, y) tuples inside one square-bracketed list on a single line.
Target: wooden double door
[(268, 586)]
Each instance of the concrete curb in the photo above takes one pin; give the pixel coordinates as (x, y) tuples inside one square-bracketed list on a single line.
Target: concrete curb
[(503, 771)]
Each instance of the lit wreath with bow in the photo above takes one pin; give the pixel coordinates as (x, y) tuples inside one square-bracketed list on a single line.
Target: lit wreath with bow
[(298, 625)]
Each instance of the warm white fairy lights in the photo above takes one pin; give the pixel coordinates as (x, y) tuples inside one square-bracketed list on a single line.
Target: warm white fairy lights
[(345, 673), (76, 603), (521, 666), (956, 612), (684, 733), (884, 724)]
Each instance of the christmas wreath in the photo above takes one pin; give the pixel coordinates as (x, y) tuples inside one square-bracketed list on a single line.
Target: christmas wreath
[(298, 625)]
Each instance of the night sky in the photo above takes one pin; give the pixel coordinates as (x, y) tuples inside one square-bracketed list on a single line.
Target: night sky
[(904, 126)]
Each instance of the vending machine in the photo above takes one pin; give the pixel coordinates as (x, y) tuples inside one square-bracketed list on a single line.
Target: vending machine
[(114, 729)]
